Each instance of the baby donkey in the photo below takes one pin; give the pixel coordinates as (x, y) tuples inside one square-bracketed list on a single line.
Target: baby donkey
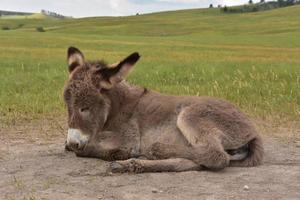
[(141, 130)]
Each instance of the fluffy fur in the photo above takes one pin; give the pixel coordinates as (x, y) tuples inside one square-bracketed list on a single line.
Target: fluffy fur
[(167, 133)]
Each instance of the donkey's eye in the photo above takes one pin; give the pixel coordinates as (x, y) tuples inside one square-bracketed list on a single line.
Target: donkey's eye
[(84, 109)]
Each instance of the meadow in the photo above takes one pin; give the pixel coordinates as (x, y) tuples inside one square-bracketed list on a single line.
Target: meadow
[(251, 59)]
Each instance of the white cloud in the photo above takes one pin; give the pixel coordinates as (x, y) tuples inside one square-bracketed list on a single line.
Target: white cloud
[(83, 8)]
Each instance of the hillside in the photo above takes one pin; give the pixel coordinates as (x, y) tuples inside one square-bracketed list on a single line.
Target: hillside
[(197, 21), (26, 15), (7, 13), (251, 59)]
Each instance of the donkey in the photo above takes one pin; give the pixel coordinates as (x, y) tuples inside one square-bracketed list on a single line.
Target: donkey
[(140, 130)]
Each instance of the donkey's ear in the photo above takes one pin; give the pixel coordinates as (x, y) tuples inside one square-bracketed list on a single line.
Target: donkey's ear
[(75, 58), (115, 73)]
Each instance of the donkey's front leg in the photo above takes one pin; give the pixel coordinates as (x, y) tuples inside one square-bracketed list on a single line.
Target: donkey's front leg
[(96, 150), (105, 146), (166, 165)]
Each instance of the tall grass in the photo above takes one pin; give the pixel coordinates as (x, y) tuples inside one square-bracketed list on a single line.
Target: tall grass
[(250, 59)]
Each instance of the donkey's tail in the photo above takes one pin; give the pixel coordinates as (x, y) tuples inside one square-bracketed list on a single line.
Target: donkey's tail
[(254, 156)]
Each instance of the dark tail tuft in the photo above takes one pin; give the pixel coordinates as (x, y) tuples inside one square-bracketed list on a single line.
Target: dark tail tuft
[(255, 155)]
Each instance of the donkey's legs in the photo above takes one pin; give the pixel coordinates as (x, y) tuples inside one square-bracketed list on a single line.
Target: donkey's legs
[(167, 165), (208, 156), (204, 138), (195, 127), (107, 149)]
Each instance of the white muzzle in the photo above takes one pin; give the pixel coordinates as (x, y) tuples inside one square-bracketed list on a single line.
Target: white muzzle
[(76, 138)]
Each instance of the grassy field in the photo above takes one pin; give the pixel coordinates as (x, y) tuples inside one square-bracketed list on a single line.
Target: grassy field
[(250, 59)]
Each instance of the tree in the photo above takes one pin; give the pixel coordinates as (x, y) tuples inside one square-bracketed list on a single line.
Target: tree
[(262, 1), (280, 3), (211, 6), (225, 9), (250, 2), (290, 2)]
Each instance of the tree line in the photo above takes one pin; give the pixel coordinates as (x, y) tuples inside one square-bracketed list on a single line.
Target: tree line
[(52, 14), (255, 7)]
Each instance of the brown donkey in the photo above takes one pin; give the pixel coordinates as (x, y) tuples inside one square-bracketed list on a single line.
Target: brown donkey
[(145, 131)]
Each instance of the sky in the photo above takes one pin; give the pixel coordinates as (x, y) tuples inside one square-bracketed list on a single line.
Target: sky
[(88, 8)]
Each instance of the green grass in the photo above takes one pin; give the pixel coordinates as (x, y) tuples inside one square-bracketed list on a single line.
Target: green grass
[(250, 59)]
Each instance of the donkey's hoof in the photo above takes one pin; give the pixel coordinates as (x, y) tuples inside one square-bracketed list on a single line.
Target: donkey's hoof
[(116, 167), (134, 166)]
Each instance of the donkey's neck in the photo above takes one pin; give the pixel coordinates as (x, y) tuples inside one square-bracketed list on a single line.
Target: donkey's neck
[(127, 92), (124, 97)]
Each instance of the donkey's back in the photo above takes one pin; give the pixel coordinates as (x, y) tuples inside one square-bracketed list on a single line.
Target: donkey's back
[(188, 127)]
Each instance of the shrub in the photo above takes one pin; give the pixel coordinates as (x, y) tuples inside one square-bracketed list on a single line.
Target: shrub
[(40, 29), (5, 28), (20, 25)]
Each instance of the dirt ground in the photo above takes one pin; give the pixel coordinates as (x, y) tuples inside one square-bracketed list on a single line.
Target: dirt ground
[(34, 165)]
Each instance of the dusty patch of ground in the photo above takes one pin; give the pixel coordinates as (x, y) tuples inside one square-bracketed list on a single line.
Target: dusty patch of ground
[(35, 166)]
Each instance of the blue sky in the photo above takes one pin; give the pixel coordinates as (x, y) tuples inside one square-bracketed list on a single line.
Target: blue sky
[(86, 8)]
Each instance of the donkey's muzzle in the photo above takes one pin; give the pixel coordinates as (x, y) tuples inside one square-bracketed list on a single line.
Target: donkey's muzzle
[(76, 140)]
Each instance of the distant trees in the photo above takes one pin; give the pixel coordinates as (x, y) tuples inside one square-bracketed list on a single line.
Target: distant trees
[(52, 14), (263, 5), (283, 3), (280, 2), (211, 5), (290, 2), (225, 9)]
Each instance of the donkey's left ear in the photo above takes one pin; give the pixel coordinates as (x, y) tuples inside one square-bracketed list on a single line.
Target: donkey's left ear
[(75, 58), (116, 73)]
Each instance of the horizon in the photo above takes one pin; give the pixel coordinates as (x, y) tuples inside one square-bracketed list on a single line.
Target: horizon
[(112, 7)]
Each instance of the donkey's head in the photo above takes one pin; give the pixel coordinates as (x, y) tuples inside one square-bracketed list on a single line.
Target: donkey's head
[(84, 94)]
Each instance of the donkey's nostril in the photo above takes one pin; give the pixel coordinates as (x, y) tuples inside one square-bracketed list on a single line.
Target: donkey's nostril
[(74, 146), (78, 145)]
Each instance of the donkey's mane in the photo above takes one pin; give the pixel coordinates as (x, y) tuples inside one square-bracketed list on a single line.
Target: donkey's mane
[(98, 63)]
